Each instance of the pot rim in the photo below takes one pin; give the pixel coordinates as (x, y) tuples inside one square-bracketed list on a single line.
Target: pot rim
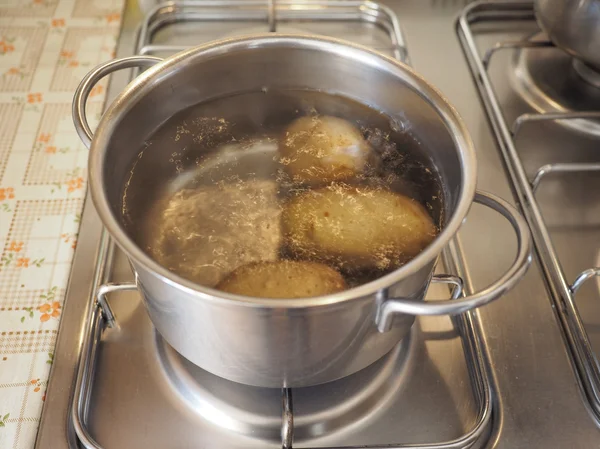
[(144, 83)]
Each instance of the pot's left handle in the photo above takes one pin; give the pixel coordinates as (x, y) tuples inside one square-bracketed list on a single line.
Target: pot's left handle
[(89, 81)]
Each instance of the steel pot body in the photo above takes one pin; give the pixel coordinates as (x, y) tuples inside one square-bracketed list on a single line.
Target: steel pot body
[(573, 25), (291, 342)]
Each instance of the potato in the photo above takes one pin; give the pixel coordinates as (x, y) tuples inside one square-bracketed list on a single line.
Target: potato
[(283, 279), (206, 232), (321, 149), (356, 228)]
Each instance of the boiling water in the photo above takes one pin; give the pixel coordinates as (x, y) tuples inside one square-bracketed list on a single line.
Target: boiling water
[(206, 192)]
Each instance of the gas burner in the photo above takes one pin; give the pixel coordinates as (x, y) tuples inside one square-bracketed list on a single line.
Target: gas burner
[(589, 74), (550, 80), (256, 412)]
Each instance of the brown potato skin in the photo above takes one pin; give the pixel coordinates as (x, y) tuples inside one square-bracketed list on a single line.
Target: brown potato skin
[(356, 228), (283, 279), (321, 149)]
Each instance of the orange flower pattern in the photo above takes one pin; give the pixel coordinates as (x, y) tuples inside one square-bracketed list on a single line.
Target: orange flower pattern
[(9, 256), (66, 57), (20, 261), (7, 193), (45, 138), (114, 17), (49, 310), (74, 184), (34, 98), (37, 384), (70, 238), (97, 90), (15, 246), (6, 46), (44, 180)]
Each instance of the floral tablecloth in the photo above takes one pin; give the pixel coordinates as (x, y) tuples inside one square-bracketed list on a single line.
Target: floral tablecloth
[(46, 46)]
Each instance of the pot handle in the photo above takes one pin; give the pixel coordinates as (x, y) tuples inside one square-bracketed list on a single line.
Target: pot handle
[(453, 307), (89, 81)]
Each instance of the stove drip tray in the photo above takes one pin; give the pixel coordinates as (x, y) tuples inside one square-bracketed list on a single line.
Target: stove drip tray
[(550, 80), (257, 412)]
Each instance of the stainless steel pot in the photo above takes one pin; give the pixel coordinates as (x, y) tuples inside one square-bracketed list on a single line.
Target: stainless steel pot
[(573, 25), (291, 342)]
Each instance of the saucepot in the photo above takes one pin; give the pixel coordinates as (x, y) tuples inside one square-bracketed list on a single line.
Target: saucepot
[(286, 342), (573, 25)]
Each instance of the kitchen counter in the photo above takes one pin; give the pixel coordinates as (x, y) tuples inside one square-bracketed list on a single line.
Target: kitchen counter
[(46, 46)]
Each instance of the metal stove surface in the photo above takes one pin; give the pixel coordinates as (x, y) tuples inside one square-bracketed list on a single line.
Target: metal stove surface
[(537, 399), (145, 395), (553, 167)]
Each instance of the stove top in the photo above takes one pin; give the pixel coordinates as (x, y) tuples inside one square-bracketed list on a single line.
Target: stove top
[(499, 377), (552, 160), (176, 404), (550, 80)]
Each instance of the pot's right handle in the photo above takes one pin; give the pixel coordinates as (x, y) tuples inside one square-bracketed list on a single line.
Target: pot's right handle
[(507, 281), (89, 81)]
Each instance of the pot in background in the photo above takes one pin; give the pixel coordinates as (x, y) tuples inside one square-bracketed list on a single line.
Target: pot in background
[(287, 342), (573, 25)]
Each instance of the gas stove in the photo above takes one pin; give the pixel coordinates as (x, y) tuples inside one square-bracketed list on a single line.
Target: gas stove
[(517, 373)]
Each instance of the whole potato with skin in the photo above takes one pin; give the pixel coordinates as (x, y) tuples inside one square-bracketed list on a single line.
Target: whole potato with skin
[(321, 149), (283, 279), (356, 228)]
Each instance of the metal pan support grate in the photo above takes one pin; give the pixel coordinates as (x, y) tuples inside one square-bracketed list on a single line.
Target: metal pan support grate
[(561, 290)]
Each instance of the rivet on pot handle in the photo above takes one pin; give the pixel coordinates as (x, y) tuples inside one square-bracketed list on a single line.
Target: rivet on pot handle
[(91, 79), (455, 306)]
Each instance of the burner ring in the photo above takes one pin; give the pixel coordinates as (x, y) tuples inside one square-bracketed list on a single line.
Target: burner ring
[(550, 80), (256, 412), (587, 73)]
